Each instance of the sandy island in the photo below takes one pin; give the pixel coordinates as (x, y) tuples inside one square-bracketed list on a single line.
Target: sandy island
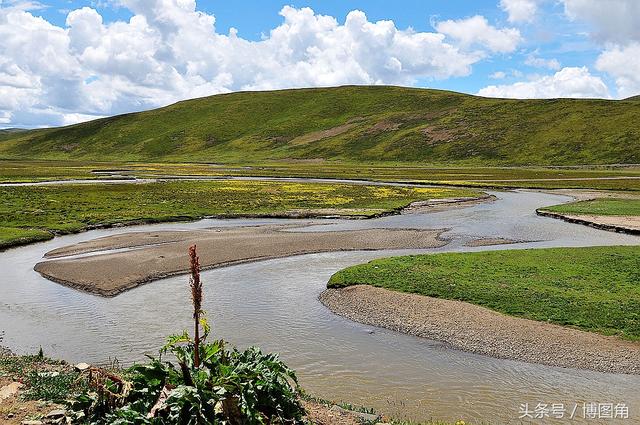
[(476, 329), (146, 256), (490, 242), (616, 223), (113, 264)]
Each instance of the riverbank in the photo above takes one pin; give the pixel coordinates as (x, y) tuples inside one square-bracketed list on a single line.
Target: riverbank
[(620, 224), (474, 329), (33, 389), (617, 214), (486, 302), (36, 213)]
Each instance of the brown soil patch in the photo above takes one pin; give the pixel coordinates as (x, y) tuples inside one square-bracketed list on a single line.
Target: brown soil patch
[(479, 330), (13, 409), (435, 135), (322, 134), (384, 126)]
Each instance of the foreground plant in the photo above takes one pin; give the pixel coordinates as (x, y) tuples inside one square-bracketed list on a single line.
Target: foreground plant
[(208, 385)]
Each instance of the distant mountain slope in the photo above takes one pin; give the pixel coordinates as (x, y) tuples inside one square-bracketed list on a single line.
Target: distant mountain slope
[(363, 123), (6, 133)]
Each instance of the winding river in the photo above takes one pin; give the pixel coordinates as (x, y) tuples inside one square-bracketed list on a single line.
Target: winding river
[(274, 304)]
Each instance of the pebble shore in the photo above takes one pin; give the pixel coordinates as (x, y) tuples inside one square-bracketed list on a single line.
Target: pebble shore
[(476, 329)]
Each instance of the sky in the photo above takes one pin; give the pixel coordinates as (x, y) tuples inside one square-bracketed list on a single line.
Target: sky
[(68, 61)]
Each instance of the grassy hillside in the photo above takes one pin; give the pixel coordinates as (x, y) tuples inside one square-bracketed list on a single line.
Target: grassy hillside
[(352, 124)]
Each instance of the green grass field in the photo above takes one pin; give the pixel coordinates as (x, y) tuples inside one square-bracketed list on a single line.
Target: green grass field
[(594, 289), (30, 214), (354, 124), (604, 206), (606, 178)]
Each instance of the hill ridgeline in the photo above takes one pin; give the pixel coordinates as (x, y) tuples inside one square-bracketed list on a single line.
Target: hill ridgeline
[(355, 124)]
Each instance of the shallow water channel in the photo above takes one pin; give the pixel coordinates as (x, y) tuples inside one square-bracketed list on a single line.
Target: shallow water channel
[(274, 304)]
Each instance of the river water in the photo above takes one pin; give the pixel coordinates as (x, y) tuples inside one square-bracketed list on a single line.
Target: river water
[(274, 304)]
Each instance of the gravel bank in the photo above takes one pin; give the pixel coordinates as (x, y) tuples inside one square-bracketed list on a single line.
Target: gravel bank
[(479, 330)]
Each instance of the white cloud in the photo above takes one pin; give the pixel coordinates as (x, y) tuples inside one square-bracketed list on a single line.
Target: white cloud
[(170, 51), (616, 25), (538, 62), (520, 10), (477, 31), (22, 4), (72, 118), (568, 82), (498, 75), (623, 63), (612, 20)]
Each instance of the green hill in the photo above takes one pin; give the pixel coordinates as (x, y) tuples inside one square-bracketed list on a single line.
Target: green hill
[(363, 123)]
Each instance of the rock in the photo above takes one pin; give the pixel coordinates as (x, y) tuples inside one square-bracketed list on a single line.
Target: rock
[(58, 413), (48, 374), (31, 423), (5, 352), (56, 417), (80, 367), (9, 390), (367, 417)]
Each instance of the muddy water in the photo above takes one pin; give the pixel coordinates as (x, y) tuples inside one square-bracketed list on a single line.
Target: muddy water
[(274, 304)]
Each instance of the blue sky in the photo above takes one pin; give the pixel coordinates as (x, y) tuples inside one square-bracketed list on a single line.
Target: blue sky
[(87, 58)]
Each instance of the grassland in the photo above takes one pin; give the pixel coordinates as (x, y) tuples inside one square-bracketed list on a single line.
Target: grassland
[(604, 206), (29, 214), (594, 289), (606, 178), (352, 124), (33, 171)]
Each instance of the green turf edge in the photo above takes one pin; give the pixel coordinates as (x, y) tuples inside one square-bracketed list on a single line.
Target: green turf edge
[(601, 206), (593, 289)]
